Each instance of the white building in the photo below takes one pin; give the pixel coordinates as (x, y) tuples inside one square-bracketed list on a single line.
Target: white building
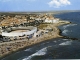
[(56, 20), (20, 31), (37, 34), (47, 20)]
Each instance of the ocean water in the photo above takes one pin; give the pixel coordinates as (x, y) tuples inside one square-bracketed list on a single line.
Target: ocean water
[(58, 48), (70, 30)]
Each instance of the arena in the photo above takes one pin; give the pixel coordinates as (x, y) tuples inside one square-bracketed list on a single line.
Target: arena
[(19, 31)]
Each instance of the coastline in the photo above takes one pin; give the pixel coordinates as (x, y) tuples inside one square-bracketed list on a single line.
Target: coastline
[(16, 45)]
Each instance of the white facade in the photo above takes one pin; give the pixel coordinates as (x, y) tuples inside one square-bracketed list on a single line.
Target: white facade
[(48, 21), (37, 33), (52, 21), (13, 34), (55, 21)]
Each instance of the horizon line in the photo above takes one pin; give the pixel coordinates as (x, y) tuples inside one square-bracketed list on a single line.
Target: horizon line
[(38, 11)]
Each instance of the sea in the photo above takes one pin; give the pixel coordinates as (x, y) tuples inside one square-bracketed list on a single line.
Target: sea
[(58, 48)]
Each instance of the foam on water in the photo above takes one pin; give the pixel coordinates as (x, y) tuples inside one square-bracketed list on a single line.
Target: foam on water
[(68, 25), (65, 39), (38, 53), (65, 31), (28, 49), (55, 41), (66, 43)]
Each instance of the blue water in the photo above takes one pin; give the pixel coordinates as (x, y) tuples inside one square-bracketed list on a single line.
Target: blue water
[(71, 30), (73, 17), (58, 48)]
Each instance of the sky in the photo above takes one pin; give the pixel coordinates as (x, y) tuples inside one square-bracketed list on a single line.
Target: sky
[(38, 5)]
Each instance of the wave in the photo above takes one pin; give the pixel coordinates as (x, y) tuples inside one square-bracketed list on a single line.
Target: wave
[(65, 31), (68, 25), (65, 39), (55, 41), (38, 53), (66, 43), (28, 49)]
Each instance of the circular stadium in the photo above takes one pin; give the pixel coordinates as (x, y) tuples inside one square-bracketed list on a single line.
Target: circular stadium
[(19, 31)]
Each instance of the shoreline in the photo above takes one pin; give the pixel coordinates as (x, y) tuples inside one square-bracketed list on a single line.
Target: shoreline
[(17, 45)]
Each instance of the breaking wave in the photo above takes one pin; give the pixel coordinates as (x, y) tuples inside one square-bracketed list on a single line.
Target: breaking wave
[(68, 25), (65, 31), (38, 53), (66, 43)]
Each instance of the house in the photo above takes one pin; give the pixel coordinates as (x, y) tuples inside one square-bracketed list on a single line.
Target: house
[(48, 20), (38, 33), (56, 20)]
